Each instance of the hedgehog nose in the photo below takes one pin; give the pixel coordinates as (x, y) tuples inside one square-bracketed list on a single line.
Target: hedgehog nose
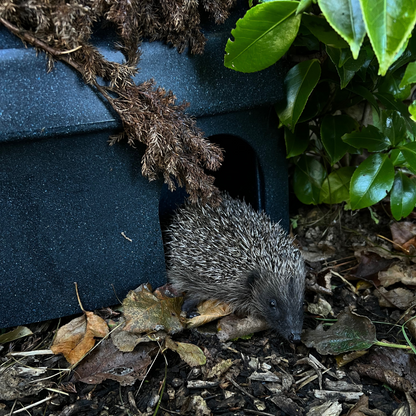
[(294, 338)]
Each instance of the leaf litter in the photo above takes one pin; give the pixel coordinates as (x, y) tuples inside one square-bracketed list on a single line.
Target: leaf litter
[(350, 329)]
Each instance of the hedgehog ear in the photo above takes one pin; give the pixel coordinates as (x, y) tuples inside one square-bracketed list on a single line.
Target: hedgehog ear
[(252, 277)]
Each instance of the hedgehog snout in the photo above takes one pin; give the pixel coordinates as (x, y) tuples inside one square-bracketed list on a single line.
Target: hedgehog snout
[(294, 338)]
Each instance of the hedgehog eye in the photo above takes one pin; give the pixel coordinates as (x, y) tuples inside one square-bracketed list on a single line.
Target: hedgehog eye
[(273, 304)]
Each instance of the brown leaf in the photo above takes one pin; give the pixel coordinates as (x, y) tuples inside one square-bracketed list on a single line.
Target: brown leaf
[(399, 272), (370, 264), (190, 353), (145, 313), (165, 292), (126, 341), (321, 307), (392, 366), (19, 332), (232, 327), (344, 359), (209, 310), (76, 338), (361, 404), (219, 369), (398, 298), (402, 232), (107, 362)]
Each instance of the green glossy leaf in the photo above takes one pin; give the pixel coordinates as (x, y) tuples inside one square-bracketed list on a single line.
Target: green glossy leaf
[(345, 64), (297, 142), (409, 75), (320, 28), (317, 101), (368, 72), (332, 130), (299, 82), (366, 94), (389, 25), (371, 181), (369, 137), (391, 84), (397, 158), (409, 55), (403, 196), (412, 110), (307, 180), (392, 103), (303, 5), (306, 40), (336, 187), (262, 36), (409, 153), (346, 18), (393, 125)]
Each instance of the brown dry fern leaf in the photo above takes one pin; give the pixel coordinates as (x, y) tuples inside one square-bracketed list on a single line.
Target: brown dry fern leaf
[(176, 148)]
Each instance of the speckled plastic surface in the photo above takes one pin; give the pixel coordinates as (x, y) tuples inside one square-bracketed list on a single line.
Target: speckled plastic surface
[(66, 196), (39, 104), (64, 206)]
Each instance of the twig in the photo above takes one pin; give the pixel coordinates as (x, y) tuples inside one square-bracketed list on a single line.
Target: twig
[(148, 371), (70, 51), (344, 258), (162, 389), (34, 404), (395, 244), (239, 387), (353, 289), (30, 353), (35, 41), (127, 238), (79, 300)]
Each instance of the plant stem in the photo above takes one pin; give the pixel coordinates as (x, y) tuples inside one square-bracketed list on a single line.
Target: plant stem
[(388, 344)]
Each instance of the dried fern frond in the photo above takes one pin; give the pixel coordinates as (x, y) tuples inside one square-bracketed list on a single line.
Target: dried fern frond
[(176, 148)]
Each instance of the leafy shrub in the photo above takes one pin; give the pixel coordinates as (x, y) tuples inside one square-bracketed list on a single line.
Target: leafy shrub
[(348, 128)]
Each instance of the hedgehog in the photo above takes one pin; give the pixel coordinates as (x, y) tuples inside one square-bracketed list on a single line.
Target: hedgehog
[(237, 255)]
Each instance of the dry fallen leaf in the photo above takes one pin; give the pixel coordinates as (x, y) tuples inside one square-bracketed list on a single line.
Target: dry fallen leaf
[(106, 362), (126, 341), (402, 232), (19, 332), (322, 308), (398, 272), (396, 298), (370, 263), (232, 327), (209, 311), (190, 353), (76, 338), (219, 369), (145, 313), (362, 404), (392, 366), (344, 359)]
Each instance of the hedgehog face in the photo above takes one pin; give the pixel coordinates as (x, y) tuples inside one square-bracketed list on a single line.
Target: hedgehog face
[(279, 300)]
